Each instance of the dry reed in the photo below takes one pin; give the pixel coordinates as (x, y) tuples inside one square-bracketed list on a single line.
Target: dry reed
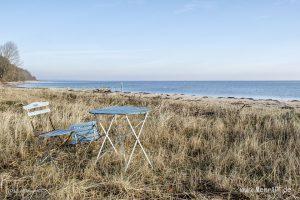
[(200, 150)]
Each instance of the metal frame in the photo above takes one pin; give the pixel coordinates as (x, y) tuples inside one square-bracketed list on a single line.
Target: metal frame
[(137, 136), (106, 132), (35, 109), (136, 133)]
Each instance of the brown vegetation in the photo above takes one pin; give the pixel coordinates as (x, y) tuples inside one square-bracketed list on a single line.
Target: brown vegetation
[(10, 72), (9, 62), (200, 149)]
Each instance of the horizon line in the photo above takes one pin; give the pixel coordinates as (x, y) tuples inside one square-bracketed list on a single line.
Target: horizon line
[(161, 80)]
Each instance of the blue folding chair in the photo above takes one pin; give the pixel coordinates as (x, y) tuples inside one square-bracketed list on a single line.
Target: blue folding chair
[(77, 133)]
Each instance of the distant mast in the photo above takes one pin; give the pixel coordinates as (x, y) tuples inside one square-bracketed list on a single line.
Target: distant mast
[(121, 86)]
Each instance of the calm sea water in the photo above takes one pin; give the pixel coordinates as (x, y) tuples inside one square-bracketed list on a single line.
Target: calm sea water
[(282, 90)]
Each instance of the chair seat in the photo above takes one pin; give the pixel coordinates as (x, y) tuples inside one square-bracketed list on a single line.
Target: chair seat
[(82, 139), (56, 133), (84, 132)]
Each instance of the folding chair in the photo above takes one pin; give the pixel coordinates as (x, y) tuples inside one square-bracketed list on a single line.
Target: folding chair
[(78, 133), (35, 109)]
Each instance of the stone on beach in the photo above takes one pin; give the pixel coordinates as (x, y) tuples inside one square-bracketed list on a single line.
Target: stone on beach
[(102, 90)]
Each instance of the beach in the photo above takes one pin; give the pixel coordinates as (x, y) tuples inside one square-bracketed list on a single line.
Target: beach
[(277, 90), (200, 147)]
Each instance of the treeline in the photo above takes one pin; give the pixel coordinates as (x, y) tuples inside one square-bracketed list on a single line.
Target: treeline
[(9, 64)]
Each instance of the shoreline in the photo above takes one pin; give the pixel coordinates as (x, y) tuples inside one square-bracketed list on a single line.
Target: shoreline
[(175, 96), (14, 84), (240, 102)]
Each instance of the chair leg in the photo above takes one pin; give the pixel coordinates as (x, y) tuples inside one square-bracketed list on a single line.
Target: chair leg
[(52, 126), (33, 128)]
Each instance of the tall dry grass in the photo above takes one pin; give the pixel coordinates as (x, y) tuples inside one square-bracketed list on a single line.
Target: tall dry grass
[(200, 150)]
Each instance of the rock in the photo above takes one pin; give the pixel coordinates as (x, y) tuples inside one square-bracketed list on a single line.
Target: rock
[(287, 107), (102, 90), (294, 100)]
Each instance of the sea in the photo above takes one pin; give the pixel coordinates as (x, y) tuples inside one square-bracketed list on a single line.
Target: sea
[(279, 90)]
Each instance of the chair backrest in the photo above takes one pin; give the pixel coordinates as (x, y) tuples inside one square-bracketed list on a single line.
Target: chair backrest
[(84, 132), (37, 108)]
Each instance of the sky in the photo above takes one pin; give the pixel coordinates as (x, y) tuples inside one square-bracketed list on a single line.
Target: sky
[(155, 39)]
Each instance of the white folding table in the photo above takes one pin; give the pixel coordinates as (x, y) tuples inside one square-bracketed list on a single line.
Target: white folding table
[(125, 111)]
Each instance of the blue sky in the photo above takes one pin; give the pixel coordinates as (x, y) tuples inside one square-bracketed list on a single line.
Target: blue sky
[(155, 39)]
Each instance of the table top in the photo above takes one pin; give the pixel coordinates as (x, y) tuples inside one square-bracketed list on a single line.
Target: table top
[(120, 110)]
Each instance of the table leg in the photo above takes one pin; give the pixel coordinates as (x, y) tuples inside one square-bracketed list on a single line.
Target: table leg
[(137, 136), (106, 132)]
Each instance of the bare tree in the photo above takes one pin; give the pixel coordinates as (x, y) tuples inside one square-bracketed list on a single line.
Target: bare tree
[(10, 51)]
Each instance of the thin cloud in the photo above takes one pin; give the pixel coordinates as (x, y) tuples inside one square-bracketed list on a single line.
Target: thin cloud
[(107, 4), (263, 17), (285, 2), (196, 5), (115, 3), (104, 54), (136, 2)]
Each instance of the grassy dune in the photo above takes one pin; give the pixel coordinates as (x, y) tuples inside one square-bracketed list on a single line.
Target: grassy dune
[(200, 149)]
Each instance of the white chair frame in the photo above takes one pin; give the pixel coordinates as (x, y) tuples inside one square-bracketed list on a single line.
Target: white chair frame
[(38, 108)]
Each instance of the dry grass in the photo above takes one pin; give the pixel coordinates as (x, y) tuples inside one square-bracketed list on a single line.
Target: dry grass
[(200, 150)]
